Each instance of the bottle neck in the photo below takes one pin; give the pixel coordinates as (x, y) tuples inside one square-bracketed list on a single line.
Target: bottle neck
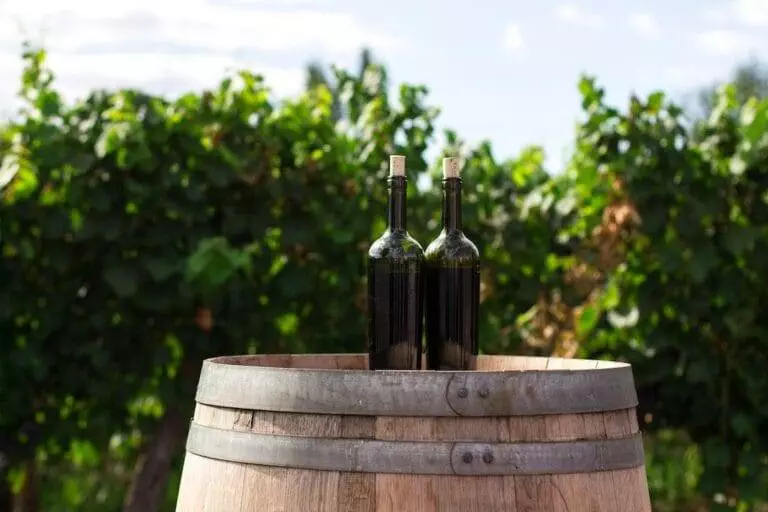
[(397, 203), (452, 204)]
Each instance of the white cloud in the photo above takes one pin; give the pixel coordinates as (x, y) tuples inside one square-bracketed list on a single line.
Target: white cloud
[(159, 73), (10, 70), (645, 25), (575, 15), (168, 47), (739, 28), (748, 13), (753, 13), (162, 73), (716, 14), (199, 23), (513, 38), (686, 77), (680, 76), (727, 42)]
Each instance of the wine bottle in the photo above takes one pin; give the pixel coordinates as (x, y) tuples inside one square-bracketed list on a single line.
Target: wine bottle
[(452, 286), (395, 286)]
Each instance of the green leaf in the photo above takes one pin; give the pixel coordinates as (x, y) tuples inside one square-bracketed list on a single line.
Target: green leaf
[(703, 261), (25, 183), (122, 278), (160, 268), (742, 425), (111, 138), (587, 320), (526, 317), (754, 121), (55, 222), (738, 239), (717, 453), (591, 95), (292, 282), (214, 262), (106, 227), (739, 321), (159, 300), (699, 371), (220, 176), (287, 323), (100, 200), (298, 231), (612, 295), (655, 102)]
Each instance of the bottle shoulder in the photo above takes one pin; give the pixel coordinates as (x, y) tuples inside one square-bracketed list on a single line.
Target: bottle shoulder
[(452, 247), (398, 245)]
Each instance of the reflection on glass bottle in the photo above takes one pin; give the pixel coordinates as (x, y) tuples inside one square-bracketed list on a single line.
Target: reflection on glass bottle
[(452, 285), (395, 286)]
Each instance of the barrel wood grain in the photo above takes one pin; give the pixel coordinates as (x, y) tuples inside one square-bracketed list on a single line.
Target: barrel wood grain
[(211, 485)]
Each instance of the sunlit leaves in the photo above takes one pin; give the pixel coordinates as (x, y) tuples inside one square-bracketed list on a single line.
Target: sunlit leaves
[(688, 286)]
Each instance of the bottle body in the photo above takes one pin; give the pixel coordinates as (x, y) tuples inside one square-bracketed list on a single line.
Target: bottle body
[(395, 322), (452, 265), (395, 269)]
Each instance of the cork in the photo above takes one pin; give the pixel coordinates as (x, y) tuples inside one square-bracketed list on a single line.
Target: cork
[(451, 167), (396, 165)]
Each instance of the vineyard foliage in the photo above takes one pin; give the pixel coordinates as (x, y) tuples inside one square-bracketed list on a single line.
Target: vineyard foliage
[(141, 234)]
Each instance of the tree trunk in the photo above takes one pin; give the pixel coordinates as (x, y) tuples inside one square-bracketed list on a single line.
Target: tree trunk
[(150, 476), (6, 496), (27, 499)]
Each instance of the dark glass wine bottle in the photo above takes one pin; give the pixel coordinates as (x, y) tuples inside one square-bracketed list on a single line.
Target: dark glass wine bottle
[(452, 286), (395, 286)]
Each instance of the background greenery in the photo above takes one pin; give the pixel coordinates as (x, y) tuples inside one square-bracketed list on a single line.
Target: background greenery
[(140, 235)]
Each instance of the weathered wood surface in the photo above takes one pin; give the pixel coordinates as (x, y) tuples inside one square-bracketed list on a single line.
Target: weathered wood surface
[(213, 485), (311, 386)]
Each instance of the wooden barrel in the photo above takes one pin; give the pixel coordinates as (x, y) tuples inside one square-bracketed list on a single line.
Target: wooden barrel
[(311, 433)]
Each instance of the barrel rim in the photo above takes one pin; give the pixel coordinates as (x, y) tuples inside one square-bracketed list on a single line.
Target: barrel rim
[(415, 393), (233, 360)]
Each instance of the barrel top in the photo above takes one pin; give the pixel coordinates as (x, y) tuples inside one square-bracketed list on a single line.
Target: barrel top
[(341, 384), (359, 363)]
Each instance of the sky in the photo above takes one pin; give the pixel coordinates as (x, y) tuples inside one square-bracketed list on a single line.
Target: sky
[(506, 71)]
